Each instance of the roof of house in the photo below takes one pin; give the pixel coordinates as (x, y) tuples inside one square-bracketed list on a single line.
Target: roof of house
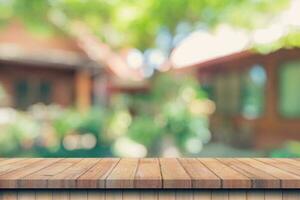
[(19, 45), (79, 49)]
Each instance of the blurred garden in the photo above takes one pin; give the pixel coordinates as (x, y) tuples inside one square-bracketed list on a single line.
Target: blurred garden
[(110, 86), (170, 120)]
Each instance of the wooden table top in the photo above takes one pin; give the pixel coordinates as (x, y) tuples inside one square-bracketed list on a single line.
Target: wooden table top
[(149, 173)]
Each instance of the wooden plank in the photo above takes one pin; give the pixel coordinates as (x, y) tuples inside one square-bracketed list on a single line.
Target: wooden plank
[(220, 195), (230, 177), (43, 195), (287, 179), (174, 175), (39, 179), (61, 195), (8, 195), (113, 194), (9, 161), (148, 174), (184, 195), (26, 195), (11, 179), (281, 164), (291, 161), (201, 176), (149, 195), (96, 195), (202, 195), (273, 195), (131, 195), (95, 176), (237, 195), (255, 195), (290, 195), (259, 178), (78, 195), (122, 176), (166, 195), (68, 177), (17, 165)]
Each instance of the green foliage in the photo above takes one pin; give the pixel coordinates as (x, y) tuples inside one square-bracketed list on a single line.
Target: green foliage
[(49, 131), (291, 40), (167, 111), (134, 22), (67, 122), (289, 149), (92, 122), (144, 130)]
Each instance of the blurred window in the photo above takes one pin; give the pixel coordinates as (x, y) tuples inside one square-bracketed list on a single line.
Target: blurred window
[(22, 99), (253, 92), (289, 95), (45, 90), (31, 92), (227, 93)]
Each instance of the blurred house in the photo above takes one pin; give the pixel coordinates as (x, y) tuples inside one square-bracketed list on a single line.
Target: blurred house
[(256, 95), (55, 69)]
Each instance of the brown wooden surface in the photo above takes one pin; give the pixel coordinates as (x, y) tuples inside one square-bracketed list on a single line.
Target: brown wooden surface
[(150, 195), (202, 173)]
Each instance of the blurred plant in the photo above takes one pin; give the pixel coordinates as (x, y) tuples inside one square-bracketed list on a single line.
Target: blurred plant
[(289, 149), (175, 109), (51, 130)]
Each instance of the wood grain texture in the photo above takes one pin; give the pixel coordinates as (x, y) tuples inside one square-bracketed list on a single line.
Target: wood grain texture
[(7, 161), (8, 195), (291, 161), (79, 195), (255, 195), (95, 177), (166, 195), (259, 178), (68, 177), (273, 195), (230, 177), (148, 174), (281, 164), (220, 195), (43, 195), (184, 195), (291, 195), (39, 179), (61, 195), (202, 194), (162, 194), (174, 175), (288, 180), (113, 195), (123, 174), (11, 179), (26, 195), (237, 195), (131, 195), (17, 165), (149, 195), (201, 176), (96, 195)]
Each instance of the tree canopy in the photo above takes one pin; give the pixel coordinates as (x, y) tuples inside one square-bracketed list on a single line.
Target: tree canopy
[(138, 23)]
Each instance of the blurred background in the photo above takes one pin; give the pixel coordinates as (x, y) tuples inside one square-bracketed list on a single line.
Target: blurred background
[(145, 78)]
